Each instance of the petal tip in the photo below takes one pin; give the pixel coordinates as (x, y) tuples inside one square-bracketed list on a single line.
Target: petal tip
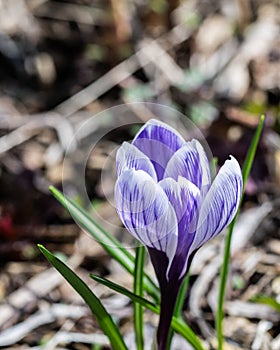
[(232, 165)]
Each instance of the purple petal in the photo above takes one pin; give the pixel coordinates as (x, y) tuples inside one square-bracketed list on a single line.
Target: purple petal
[(190, 162), (221, 203), (184, 196), (129, 157), (146, 212), (159, 142)]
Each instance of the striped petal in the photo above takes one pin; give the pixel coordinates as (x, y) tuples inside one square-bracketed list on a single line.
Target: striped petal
[(221, 203), (129, 157), (146, 212), (184, 196), (190, 162), (159, 142)]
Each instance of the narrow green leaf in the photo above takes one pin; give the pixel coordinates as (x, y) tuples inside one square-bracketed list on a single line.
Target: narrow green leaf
[(181, 296), (104, 319), (120, 289), (252, 151), (139, 290), (213, 167), (225, 265), (182, 328), (108, 242), (177, 324), (267, 300)]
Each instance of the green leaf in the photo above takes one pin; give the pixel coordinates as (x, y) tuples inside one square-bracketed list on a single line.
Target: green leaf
[(108, 242), (104, 319), (120, 289), (181, 296), (225, 265), (267, 300), (177, 324), (139, 290), (252, 151)]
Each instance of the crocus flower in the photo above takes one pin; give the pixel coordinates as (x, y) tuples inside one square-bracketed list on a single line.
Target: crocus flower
[(165, 199)]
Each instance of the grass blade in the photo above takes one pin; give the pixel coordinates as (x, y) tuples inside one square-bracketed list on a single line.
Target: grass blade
[(108, 242), (225, 266), (181, 297), (252, 150), (104, 319), (266, 300), (122, 290), (178, 325), (139, 290)]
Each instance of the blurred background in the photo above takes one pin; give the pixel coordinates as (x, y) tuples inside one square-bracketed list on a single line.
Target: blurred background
[(61, 62)]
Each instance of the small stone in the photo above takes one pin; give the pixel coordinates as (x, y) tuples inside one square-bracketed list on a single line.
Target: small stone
[(214, 31), (274, 246), (276, 285)]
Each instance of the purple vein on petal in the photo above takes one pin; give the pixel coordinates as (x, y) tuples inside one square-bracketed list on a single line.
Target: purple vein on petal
[(185, 198), (220, 204), (190, 162), (146, 212), (159, 142), (130, 157)]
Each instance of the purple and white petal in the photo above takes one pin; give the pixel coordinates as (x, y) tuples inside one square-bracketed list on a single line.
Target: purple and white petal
[(190, 162), (159, 142), (146, 212), (220, 204), (185, 197), (130, 157)]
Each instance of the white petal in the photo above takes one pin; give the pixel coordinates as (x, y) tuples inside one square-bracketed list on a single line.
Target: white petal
[(221, 203), (130, 157), (190, 162), (146, 212)]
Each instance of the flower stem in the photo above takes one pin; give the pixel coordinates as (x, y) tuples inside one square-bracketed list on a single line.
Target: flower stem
[(179, 304), (168, 300)]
